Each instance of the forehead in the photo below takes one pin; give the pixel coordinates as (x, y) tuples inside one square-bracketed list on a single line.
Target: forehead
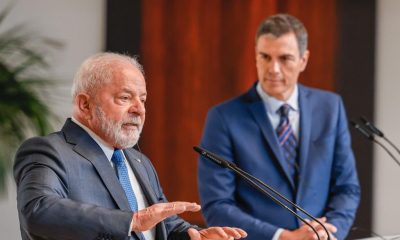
[(286, 43), (127, 76)]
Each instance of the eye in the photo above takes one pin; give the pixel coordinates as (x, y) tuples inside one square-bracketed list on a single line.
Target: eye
[(264, 56), (124, 98), (286, 58)]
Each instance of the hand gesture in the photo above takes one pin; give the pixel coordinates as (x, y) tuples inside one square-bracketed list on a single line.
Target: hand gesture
[(306, 233), (147, 218), (217, 233)]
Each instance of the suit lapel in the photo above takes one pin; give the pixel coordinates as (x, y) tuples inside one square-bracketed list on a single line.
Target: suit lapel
[(88, 148), (305, 130), (140, 172), (257, 108)]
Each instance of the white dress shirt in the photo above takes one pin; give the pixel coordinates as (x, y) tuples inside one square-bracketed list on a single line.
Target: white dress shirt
[(271, 106), (108, 151)]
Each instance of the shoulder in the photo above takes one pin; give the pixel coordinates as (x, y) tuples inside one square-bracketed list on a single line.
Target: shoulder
[(39, 151), (236, 105), (319, 98), (42, 144), (318, 93)]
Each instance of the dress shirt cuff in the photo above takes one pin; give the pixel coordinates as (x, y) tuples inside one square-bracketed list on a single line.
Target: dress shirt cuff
[(277, 234), (130, 229)]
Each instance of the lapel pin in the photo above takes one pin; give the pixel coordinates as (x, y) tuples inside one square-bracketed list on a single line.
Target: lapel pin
[(137, 159)]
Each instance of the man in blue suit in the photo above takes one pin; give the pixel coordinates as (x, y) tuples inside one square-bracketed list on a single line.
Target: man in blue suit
[(290, 136), (86, 181)]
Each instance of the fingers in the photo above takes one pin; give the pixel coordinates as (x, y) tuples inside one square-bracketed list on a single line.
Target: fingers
[(222, 233), (194, 234), (331, 228), (321, 231), (308, 233), (237, 233), (147, 218), (172, 208)]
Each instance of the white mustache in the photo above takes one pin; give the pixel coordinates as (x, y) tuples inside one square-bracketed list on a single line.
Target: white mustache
[(134, 120)]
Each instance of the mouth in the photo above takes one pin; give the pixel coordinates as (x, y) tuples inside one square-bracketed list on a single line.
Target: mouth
[(273, 79), (130, 126)]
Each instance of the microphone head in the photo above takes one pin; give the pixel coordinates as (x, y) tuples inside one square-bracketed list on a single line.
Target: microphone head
[(198, 149), (366, 132), (213, 157), (371, 127)]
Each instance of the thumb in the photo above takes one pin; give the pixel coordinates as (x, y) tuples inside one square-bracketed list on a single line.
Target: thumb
[(194, 234)]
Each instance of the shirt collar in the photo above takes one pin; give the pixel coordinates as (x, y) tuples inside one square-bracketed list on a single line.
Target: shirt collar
[(107, 149), (272, 104)]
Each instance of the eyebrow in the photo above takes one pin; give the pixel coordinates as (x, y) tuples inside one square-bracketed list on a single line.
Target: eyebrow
[(133, 92)]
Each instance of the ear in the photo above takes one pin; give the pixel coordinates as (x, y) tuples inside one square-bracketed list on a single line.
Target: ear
[(304, 60), (82, 102)]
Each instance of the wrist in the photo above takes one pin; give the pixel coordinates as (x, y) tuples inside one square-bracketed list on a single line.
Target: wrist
[(134, 223), (285, 235)]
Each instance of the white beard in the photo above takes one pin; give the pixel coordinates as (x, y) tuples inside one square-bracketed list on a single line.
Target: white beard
[(114, 130)]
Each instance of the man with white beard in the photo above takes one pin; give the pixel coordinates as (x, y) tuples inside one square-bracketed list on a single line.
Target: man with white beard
[(86, 181)]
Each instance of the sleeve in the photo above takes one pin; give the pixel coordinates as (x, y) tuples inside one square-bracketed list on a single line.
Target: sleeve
[(344, 194), (217, 186), (44, 208)]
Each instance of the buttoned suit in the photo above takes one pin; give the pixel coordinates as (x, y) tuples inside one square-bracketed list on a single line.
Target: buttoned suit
[(240, 131), (67, 189)]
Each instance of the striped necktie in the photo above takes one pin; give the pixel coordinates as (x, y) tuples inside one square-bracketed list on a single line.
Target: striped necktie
[(288, 141)]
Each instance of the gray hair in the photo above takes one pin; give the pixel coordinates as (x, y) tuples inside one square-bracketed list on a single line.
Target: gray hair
[(98, 69), (280, 24)]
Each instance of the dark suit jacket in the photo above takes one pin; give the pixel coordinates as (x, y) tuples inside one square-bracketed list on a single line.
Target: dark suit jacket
[(240, 131), (67, 189)]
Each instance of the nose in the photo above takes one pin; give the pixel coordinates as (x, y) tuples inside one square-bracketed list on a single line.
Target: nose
[(274, 67), (137, 107)]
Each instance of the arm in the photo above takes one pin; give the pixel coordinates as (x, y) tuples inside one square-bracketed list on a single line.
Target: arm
[(218, 186), (344, 186), (43, 204)]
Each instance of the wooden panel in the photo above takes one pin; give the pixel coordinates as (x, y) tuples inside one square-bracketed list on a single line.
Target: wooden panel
[(198, 53), (319, 17)]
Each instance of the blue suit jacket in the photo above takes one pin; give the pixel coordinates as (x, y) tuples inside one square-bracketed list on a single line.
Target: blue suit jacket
[(240, 131), (67, 189)]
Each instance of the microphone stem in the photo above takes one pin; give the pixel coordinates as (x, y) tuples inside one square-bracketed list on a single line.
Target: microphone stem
[(387, 150), (391, 144), (250, 181), (284, 198)]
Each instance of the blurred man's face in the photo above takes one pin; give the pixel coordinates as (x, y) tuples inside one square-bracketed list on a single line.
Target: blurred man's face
[(279, 64), (119, 111)]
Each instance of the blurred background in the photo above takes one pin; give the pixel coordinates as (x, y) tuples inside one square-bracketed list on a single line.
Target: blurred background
[(198, 53)]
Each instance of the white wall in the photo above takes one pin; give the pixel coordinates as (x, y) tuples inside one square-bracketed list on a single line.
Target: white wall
[(386, 171), (80, 26)]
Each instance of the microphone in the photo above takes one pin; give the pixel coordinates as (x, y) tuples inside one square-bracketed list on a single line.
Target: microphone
[(378, 132), (371, 127), (255, 182), (362, 130), (369, 131)]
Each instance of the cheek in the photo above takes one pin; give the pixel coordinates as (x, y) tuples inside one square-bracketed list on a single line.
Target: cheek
[(260, 69), (290, 72)]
